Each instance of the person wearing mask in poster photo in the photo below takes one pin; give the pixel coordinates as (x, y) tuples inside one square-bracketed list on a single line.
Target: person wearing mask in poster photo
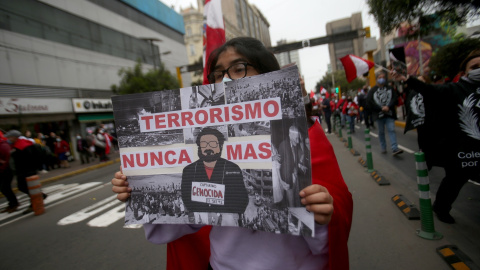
[(327, 198)]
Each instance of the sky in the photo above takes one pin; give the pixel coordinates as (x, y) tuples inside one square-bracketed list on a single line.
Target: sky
[(303, 19)]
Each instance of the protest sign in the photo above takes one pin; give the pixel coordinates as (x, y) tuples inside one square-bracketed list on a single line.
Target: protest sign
[(234, 154)]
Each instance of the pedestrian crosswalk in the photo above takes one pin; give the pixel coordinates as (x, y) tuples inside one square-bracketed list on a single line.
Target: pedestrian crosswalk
[(100, 214)]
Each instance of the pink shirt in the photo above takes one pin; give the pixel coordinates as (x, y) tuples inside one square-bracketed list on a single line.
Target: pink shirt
[(239, 248)]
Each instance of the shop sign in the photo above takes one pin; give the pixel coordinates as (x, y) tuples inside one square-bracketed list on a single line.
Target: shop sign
[(12, 106), (92, 105)]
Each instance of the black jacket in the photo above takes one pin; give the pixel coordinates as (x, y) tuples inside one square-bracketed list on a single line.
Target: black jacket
[(382, 96), (457, 104), (225, 173)]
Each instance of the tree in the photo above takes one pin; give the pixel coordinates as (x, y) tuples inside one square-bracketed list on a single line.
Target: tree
[(447, 60), (340, 80), (134, 80), (390, 14)]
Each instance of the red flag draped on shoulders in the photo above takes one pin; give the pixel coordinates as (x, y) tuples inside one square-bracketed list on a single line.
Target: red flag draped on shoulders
[(213, 31), (355, 66), (326, 172)]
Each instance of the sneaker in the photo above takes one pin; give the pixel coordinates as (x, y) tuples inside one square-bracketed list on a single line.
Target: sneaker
[(43, 171), (397, 152), (10, 209), (384, 151), (444, 217)]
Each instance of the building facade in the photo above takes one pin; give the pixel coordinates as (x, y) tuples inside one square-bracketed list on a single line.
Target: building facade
[(241, 19), (290, 57), (340, 49), (58, 59)]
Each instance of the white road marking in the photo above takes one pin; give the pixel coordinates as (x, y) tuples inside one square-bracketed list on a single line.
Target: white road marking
[(399, 146), (108, 218), (406, 149), (89, 211), (81, 189)]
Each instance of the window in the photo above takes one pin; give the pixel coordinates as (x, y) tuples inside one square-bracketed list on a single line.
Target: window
[(189, 31), (238, 10), (192, 49)]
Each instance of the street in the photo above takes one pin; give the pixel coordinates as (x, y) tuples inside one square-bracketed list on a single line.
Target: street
[(63, 238), (83, 224)]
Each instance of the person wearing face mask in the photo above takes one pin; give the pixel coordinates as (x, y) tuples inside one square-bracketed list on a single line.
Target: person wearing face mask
[(82, 149), (381, 100), (350, 109), (458, 105)]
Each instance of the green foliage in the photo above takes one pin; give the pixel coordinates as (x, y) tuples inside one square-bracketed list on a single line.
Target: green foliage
[(340, 80), (390, 14), (446, 62), (136, 81)]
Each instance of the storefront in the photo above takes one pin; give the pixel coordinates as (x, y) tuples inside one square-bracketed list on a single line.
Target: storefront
[(38, 115), (92, 113)]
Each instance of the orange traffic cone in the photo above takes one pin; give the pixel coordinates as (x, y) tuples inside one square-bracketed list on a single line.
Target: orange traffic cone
[(36, 195)]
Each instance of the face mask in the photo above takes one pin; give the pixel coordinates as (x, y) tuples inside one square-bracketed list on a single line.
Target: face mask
[(381, 81), (58, 140), (78, 137), (474, 75), (226, 79)]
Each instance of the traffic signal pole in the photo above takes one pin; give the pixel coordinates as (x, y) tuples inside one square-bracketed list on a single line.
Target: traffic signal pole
[(371, 72)]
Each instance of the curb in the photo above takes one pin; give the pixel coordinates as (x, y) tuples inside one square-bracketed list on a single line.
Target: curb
[(400, 123)]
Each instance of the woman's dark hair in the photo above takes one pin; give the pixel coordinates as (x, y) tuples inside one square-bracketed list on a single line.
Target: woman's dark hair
[(252, 49), (473, 54)]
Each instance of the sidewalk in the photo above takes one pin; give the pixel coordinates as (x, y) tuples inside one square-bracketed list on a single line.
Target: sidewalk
[(382, 237)]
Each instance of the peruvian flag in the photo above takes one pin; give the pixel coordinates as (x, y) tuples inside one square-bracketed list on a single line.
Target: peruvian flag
[(213, 31), (355, 66)]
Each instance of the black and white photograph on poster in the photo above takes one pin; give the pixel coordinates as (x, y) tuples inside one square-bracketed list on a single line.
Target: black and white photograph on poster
[(249, 129), (202, 96), (154, 201), (134, 106), (211, 175), (283, 83), (291, 161)]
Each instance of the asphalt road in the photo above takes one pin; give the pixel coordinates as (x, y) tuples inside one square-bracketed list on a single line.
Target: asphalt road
[(90, 239)]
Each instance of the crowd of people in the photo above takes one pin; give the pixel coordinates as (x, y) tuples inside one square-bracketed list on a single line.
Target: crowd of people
[(368, 106), (26, 154)]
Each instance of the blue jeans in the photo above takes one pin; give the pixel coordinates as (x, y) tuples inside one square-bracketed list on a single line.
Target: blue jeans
[(351, 120), (390, 123)]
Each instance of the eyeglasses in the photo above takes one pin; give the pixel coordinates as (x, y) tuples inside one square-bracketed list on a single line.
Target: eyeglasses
[(212, 144), (234, 72)]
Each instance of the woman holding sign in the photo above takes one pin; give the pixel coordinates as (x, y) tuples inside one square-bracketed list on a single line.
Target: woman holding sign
[(328, 197)]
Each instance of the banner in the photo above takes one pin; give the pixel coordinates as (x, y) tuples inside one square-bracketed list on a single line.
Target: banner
[(234, 154)]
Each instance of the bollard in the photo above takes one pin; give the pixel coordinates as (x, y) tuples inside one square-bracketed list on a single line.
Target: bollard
[(427, 230), (349, 137), (36, 195), (368, 150), (334, 124)]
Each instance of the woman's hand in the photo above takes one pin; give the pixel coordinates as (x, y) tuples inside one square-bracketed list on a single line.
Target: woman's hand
[(120, 186), (317, 200)]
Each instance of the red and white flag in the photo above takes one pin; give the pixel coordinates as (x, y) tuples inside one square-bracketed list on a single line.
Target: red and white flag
[(355, 66), (213, 31)]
